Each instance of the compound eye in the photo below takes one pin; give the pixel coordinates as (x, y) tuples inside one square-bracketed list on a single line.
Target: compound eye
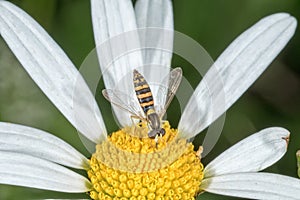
[(162, 132)]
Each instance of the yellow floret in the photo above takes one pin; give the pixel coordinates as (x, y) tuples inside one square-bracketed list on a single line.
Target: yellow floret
[(129, 165)]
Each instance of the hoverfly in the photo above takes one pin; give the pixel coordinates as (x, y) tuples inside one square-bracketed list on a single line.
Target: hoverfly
[(151, 114)]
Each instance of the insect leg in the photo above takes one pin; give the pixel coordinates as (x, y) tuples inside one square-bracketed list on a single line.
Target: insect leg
[(132, 117), (156, 140)]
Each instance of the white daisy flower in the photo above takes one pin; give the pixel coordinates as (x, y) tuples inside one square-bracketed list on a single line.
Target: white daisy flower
[(34, 158)]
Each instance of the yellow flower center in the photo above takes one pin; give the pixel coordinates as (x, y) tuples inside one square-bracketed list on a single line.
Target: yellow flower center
[(129, 165)]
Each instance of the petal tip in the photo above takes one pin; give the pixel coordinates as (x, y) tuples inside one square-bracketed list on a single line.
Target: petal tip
[(282, 16), (293, 21), (287, 139)]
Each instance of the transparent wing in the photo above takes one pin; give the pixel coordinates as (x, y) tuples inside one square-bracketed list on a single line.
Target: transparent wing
[(123, 101), (173, 80)]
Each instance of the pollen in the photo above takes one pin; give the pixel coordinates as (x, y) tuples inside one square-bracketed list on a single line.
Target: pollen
[(129, 165)]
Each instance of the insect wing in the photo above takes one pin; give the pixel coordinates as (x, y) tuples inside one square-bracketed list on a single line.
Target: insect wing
[(123, 101), (173, 79)]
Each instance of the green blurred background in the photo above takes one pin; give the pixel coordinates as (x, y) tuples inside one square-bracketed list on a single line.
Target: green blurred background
[(272, 101)]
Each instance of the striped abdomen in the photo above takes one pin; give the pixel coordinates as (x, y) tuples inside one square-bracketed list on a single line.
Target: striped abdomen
[(143, 92)]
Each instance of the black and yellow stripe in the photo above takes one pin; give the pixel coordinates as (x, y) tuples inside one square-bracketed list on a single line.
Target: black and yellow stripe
[(143, 92)]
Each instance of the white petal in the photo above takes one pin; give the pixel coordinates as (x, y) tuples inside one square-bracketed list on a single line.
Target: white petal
[(37, 143), (154, 13), (155, 17), (118, 47), (252, 154), (52, 70), (235, 70), (254, 186), (24, 170)]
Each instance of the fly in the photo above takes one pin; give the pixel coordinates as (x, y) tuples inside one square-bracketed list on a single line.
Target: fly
[(151, 114), (146, 101)]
